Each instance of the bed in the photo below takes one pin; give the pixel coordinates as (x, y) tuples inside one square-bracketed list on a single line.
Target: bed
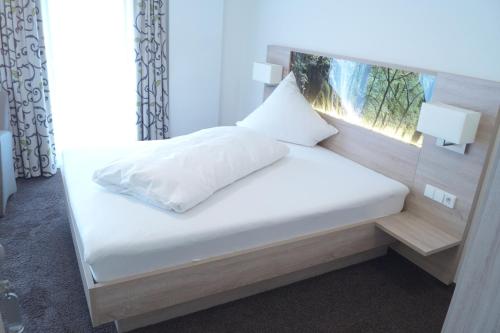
[(308, 213)]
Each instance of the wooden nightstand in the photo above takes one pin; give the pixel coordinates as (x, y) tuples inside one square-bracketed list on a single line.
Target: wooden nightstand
[(417, 234)]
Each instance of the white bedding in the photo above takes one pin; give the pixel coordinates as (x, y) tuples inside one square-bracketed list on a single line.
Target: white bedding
[(310, 190), (179, 173)]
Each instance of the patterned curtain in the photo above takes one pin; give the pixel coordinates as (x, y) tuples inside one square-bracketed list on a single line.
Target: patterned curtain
[(23, 75), (151, 48)]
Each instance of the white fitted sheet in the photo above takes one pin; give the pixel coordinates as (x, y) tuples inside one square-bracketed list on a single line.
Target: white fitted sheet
[(310, 190)]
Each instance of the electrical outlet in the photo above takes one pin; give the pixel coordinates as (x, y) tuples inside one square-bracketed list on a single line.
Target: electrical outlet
[(449, 200), (438, 195)]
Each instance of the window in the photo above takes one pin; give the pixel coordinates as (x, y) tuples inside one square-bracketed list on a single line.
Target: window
[(90, 58)]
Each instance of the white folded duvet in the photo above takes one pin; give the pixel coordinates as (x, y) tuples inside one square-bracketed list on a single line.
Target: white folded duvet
[(179, 173)]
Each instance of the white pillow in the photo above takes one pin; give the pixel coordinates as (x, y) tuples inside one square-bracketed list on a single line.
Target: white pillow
[(286, 115), (179, 173)]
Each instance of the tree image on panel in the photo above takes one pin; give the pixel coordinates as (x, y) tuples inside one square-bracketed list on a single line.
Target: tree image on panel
[(386, 100)]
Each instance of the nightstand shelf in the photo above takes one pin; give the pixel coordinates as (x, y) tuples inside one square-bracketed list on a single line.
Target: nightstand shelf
[(416, 233)]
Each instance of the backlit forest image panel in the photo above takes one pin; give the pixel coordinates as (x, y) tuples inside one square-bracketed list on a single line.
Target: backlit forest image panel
[(386, 100)]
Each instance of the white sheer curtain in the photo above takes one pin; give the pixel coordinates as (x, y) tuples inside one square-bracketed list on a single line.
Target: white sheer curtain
[(90, 57)]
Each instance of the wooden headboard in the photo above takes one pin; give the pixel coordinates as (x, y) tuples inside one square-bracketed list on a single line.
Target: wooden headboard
[(461, 175)]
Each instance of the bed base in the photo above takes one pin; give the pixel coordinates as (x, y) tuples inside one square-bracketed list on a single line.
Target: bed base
[(148, 298), (132, 323)]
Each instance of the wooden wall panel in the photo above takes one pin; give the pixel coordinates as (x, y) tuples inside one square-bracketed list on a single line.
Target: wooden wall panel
[(280, 56), (392, 158), (458, 174)]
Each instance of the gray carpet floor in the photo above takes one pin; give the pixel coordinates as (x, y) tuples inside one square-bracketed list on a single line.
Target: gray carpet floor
[(388, 294)]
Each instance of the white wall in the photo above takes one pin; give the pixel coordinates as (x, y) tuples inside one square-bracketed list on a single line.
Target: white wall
[(195, 45), (237, 57), (456, 36)]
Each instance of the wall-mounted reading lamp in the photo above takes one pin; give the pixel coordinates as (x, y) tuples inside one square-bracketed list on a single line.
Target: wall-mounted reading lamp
[(454, 127), (269, 74)]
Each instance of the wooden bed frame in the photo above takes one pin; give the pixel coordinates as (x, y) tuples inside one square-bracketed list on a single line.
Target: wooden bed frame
[(145, 299), (152, 297)]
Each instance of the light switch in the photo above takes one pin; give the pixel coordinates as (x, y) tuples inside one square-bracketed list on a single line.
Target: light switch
[(439, 195), (429, 191)]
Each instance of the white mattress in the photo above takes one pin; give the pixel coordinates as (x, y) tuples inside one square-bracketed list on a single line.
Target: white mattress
[(310, 190)]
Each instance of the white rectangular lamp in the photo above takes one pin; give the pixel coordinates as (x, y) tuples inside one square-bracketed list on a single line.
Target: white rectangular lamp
[(269, 74), (453, 127)]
